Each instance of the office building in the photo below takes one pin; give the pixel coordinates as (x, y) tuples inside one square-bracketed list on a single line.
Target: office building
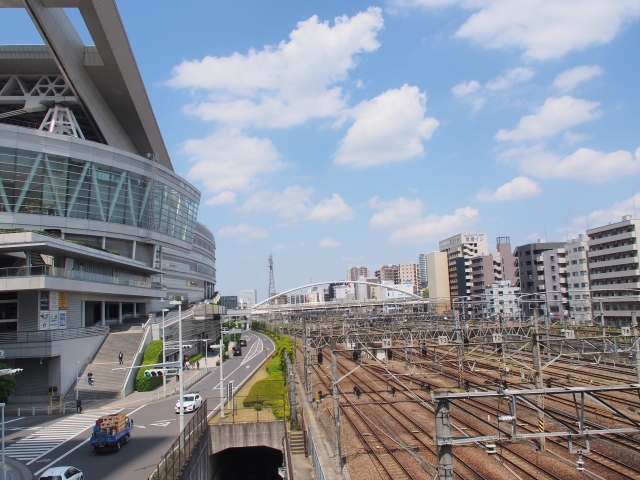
[(249, 298), (459, 249), (97, 226), (438, 272), (613, 270), (424, 277)]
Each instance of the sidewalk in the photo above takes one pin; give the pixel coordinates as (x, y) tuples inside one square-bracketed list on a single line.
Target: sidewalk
[(16, 470)]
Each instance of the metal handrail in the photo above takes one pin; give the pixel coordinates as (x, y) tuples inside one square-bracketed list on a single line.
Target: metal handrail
[(53, 335), (49, 271)]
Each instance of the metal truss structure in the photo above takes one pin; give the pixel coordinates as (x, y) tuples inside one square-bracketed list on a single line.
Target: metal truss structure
[(444, 401)]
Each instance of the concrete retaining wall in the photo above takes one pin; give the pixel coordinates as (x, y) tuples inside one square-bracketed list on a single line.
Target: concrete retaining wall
[(248, 434)]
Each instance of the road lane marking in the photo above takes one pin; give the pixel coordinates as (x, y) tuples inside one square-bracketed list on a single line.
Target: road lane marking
[(61, 457), (38, 444), (14, 420)]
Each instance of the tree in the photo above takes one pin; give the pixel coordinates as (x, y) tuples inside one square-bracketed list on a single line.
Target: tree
[(8, 385), (425, 293)]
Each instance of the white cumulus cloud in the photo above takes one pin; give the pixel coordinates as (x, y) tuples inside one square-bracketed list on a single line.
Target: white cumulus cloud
[(222, 198), (293, 202), (285, 84), (543, 29), (334, 208), (329, 243), (244, 232), (388, 128), (296, 202), (516, 189), (510, 77), (404, 218), (435, 227), (395, 212), (229, 161), (556, 115), (585, 164), (572, 77), (466, 88), (603, 216)]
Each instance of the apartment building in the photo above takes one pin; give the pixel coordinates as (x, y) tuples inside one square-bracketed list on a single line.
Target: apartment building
[(503, 247), (410, 273), (388, 273), (356, 273), (578, 282), (424, 276), (459, 249), (554, 270), (485, 270), (613, 270), (530, 274), (502, 299)]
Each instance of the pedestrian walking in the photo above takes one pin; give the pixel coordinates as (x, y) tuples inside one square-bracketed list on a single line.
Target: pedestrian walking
[(120, 357), (393, 391), (198, 364), (78, 406), (205, 362)]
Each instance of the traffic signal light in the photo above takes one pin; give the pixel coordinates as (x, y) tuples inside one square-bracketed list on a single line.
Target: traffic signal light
[(154, 372)]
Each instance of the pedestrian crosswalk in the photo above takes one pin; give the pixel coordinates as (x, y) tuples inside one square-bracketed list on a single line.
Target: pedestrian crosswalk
[(41, 442)]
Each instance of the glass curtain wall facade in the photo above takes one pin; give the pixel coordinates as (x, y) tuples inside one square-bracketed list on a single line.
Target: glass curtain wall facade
[(46, 184)]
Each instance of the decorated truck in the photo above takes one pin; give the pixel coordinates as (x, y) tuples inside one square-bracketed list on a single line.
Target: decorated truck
[(111, 432)]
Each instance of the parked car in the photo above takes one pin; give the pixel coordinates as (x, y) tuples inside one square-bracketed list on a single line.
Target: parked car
[(62, 473), (237, 351), (192, 402)]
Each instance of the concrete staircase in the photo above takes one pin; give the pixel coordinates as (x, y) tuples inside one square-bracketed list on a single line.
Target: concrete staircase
[(108, 383), (297, 443)]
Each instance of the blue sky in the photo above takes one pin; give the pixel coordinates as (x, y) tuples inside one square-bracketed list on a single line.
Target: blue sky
[(335, 134)]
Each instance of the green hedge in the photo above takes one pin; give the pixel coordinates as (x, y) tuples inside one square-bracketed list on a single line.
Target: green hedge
[(195, 358), (153, 354)]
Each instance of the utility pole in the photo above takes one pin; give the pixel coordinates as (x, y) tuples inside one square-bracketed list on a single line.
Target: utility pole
[(336, 402), (538, 379), (636, 348), (604, 329), (443, 433), (221, 376), (292, 391), (459, 340)]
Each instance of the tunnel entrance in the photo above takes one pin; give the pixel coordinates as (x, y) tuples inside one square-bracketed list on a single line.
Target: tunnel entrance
[(246, 463)]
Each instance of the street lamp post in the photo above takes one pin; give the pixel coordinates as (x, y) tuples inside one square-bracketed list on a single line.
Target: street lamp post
[(181, 369), (4, 465), (77, 379), (164, 355), (221, 377)]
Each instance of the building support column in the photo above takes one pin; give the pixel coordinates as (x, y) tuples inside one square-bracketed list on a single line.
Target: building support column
[(103, 308), (119, 312), (83, 313), (135, 310), (104, 243), (133, 249)]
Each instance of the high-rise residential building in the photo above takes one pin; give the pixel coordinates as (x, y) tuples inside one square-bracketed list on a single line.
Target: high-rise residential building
[(578, 282), (485, 270), (410, 273), (249, 298), (531, 274), (459, 249), (357, 273), (424, 277), (297, 298), (438, 271), (613, 270), (554, 269), (388, 273)]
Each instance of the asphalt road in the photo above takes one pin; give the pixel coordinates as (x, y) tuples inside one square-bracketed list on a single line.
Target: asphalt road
[(156, 427)]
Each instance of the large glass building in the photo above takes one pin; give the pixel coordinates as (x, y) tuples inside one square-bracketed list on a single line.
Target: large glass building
[(95, 226)]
